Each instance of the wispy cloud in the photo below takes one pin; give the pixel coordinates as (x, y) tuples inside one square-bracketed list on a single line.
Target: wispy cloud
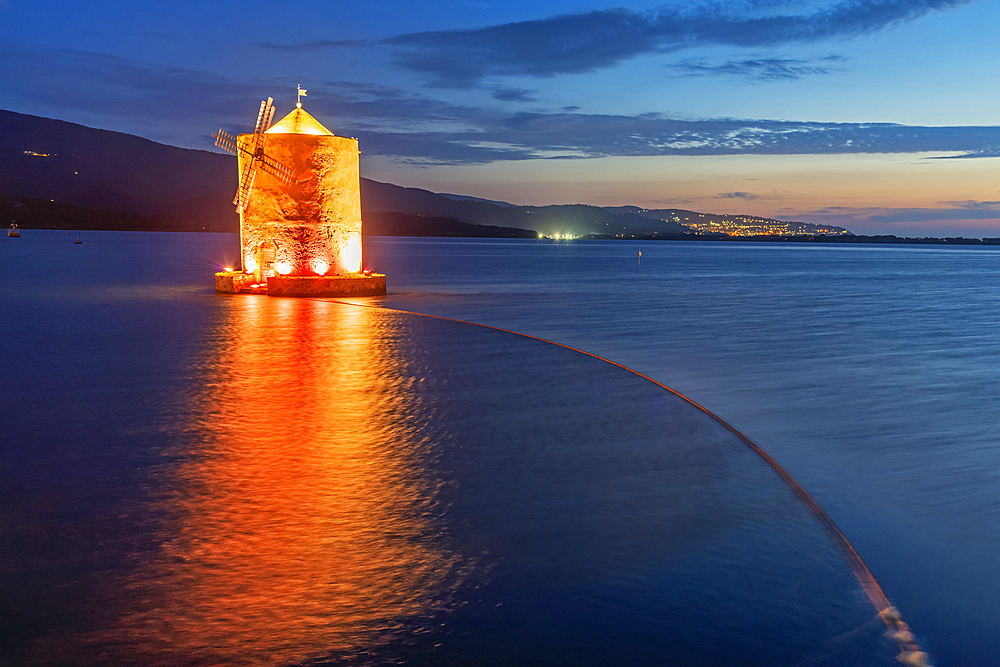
[(765, 69), (318, 45), (774, 195), (513, 94), (974, 205), (988, 151), (114, 86), (847, 216), (414, 127), (586, 42), (971, 219)]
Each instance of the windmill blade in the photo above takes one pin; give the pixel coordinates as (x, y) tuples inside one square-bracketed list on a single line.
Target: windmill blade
[(269, 116), (253, 149), (225, 141), (264, 116), (246, 182), (246, 148), (263, 122), (242, 197), (276, 169), (260, 116), (251, 153), (246, 196)]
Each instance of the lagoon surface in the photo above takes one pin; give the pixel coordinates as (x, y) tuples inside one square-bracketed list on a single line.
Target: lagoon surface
[(869, 371), (191, 478)]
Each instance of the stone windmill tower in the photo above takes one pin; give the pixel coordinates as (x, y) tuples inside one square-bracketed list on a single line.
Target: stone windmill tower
[(299, 201)]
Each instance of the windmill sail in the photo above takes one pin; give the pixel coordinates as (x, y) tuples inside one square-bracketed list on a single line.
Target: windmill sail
[(246, 183), (225, 141), (253, 149)]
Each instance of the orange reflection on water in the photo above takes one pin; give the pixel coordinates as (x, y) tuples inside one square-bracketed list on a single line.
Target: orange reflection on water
[(305, 516)]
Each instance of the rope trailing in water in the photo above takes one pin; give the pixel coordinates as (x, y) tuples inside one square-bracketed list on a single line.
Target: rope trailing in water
[(897, 630)]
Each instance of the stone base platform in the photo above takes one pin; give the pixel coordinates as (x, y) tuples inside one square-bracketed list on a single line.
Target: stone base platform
[(237, 282)]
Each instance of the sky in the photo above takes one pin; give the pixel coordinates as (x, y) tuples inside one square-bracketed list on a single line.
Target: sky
[(879, 116)]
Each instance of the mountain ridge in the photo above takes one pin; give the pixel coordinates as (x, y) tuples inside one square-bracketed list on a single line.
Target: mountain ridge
[(48, 159)]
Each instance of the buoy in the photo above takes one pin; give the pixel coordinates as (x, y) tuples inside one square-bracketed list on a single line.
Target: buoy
[(76, 242)]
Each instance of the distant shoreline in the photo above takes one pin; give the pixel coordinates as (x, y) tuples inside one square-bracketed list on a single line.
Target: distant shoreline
[(32, 214), (805, 238), (503, 233)]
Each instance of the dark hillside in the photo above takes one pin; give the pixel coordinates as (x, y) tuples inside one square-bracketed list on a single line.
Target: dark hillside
[(41, 158), (409, 224), (45, 159)]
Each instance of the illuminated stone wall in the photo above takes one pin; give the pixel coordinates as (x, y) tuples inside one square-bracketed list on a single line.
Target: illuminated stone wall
[(313, 225)]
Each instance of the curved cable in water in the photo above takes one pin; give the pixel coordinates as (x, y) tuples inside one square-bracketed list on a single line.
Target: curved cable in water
[(897, 629)]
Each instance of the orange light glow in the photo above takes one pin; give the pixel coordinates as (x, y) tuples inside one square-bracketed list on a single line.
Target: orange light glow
[(350, 255), (250, 263), (306, 523), (227, 269), (308, 223)]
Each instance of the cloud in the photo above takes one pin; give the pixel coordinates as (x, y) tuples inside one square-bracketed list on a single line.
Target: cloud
[(978, 219), (846, 216), (319, 45), (988, 151), (513, 94), (767, 69), (973, 205), (182, 106), (586, 42), (751, 196), (116, 87), (594, 135)]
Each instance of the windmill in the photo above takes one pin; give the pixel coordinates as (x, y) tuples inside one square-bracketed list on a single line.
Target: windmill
[(253, 149), (302, 236)]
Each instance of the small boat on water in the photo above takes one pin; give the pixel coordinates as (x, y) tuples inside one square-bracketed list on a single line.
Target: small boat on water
[(76, 242), (13, 231)]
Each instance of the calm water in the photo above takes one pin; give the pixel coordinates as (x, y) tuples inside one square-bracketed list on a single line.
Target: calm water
[(870, 372), (197, 479)]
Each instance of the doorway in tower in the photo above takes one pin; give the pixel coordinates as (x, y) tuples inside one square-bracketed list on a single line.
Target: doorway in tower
[(265, 259)]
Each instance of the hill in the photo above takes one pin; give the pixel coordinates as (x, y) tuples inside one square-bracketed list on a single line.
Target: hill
[(731, 225), (410, 224), (31, 213), (48, 159), (164, 187), (575, 219), (101, 170)]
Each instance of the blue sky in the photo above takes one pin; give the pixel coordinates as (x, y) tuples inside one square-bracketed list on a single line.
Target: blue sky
[(879, 116)]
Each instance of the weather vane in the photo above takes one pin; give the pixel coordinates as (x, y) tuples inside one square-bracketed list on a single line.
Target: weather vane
[(298, 100)]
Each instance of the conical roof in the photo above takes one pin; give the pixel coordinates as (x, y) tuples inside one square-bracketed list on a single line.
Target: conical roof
[(299, 122)]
